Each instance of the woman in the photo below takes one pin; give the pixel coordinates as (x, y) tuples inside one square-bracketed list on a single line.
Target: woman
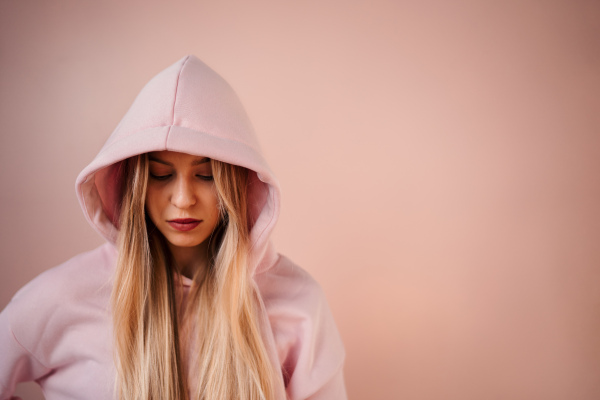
[(187, 299)]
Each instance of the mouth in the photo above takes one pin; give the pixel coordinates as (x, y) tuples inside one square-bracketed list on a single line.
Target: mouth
[(184, 224)]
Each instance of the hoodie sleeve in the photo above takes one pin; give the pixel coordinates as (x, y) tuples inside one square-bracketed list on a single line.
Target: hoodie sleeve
[(17, 364), (308, 343)]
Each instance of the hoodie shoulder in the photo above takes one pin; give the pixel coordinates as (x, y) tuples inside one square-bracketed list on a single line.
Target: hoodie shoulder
[(286, 281), (62, 298), (308, 343), (79, 273)]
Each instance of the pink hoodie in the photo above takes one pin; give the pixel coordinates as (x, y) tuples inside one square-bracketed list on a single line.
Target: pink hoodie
[(57, 330)]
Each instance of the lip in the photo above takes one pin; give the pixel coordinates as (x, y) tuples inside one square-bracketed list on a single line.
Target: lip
[(184, 224)]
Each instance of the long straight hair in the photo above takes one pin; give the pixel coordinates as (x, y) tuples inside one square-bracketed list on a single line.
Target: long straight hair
[(215, 341)]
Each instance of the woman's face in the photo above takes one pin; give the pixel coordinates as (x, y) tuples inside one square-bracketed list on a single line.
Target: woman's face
[(181, 199)]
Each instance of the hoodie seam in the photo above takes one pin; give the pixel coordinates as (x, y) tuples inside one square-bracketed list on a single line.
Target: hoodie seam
[(170, 126), (27, 350), (175, 100)]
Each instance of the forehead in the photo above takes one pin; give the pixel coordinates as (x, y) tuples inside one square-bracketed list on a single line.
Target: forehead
[(176, 158)]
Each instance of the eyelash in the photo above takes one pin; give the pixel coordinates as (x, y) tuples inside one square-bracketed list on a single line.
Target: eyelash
[(165, 177)]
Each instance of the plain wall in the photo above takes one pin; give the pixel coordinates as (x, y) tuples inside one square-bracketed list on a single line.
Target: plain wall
[(439, 163)]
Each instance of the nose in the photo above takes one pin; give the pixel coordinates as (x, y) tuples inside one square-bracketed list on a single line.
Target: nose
[(183, 195)]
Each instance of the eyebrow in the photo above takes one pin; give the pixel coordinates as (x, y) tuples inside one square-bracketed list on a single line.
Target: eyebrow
[(195, 162)]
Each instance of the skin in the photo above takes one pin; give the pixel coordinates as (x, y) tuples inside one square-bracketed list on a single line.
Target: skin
[(180, 185)]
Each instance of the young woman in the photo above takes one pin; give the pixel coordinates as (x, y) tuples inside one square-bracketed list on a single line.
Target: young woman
[(187, 299)]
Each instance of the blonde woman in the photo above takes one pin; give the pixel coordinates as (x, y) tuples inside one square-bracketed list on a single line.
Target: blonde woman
[(187, 299)]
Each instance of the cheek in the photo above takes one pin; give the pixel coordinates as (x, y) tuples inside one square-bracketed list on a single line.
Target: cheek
[(211, 200), (153, 204)]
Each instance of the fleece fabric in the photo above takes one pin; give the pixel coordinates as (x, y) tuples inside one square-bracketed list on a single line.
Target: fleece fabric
[(57, 330)]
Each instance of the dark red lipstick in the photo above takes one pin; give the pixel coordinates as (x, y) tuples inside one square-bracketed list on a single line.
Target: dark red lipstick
[(184, 224)]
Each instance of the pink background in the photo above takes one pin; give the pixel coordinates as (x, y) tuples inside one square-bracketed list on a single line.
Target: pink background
[(439, 164)]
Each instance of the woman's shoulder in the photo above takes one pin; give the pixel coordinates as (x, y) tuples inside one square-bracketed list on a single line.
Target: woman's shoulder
[(287, 286), (286, 278), (59, 316), (62, 296), (309, 346), (86, 271)]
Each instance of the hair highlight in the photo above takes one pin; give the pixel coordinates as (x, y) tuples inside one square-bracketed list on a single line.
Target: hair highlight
[(215, 341)]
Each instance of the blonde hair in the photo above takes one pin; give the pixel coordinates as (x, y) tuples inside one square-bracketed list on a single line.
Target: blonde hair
[(219, 326)]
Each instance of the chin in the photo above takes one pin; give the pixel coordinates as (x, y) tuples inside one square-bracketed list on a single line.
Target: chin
[(185, 243)]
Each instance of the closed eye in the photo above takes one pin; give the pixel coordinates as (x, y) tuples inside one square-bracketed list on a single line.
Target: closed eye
[(160, 177), (205, 177)]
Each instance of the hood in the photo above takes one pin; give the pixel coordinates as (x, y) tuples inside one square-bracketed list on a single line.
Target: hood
[(186, 108)]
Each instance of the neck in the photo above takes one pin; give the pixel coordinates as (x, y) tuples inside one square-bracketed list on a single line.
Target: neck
[(189, 260)]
